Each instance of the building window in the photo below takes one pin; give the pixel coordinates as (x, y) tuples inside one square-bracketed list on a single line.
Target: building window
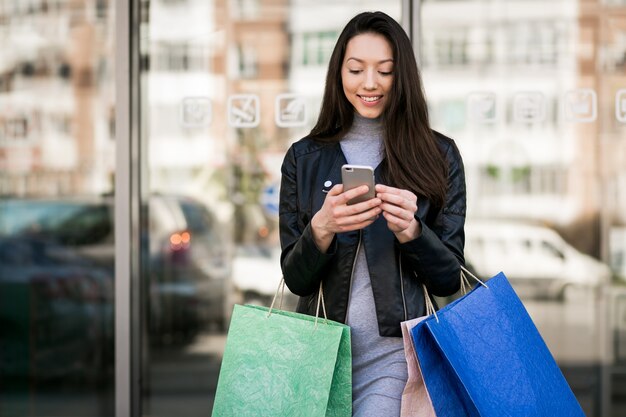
[(248, 61), (533, 43), (248, 9), (177, 57), (523, 179), (451, 48), (318, 46)]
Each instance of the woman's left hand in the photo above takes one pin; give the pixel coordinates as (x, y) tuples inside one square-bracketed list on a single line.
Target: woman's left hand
[(399, 208)]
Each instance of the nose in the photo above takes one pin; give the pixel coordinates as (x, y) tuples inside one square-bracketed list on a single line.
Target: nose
[(370, 80)]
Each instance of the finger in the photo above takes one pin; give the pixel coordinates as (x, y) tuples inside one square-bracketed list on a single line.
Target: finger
[(359, 217), (357, 226), (381, 188), (355, 192), (359, 221), (396, 222), (399, 200), (385, 189), (397, 211), (391, 198), (345, 214), (336, 190), (349, 210)]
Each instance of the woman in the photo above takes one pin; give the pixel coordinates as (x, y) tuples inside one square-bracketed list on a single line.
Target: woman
[(373, 257)]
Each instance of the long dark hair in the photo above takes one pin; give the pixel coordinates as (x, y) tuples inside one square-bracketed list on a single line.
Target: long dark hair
[(413, 160)]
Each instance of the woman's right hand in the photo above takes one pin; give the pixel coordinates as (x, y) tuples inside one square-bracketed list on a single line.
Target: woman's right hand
[(337, 216)]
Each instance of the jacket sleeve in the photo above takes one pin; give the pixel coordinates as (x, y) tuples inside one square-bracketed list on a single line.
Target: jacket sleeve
[(301, 261), (437, 253)]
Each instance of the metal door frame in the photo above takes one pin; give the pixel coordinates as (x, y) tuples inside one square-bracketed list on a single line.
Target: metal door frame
[(127, 203)]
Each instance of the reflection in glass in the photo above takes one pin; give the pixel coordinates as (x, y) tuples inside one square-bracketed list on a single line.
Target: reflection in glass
[(56, 217), (215, 134), (545, 191)]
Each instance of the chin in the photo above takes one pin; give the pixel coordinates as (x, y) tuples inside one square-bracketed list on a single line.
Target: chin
[(369, 113)]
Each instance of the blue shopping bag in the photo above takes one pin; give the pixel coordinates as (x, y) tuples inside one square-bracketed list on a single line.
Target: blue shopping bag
[(482, 356)]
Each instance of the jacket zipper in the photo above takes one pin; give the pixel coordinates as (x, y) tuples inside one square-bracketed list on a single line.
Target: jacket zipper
[(358, 248), (402, 286)]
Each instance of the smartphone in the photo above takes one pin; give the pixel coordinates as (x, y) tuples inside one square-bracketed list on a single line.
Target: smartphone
[(354, 176)]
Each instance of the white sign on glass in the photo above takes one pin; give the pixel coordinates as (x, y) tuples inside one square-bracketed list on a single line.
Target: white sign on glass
[(581, 105), (244, 110), (481, 107), (195, 112), (290, 110), (529, 107)]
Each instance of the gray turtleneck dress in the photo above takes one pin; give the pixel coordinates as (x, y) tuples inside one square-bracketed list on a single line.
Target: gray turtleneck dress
[(379, 370)]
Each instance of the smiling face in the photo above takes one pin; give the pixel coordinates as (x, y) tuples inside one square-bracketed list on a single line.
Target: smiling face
[(367, 73)]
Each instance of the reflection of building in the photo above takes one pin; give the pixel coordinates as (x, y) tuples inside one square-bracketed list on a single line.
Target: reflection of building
[(258, 48), (218, 51), (514, 169), (602, 65), (214, 70), (547, 170), (179, 82), (56, 101)]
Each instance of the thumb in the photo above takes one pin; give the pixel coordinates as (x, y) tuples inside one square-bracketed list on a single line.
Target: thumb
[(336, 190)]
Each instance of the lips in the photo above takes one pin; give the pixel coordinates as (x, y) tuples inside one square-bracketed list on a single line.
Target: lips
[(370, 100)]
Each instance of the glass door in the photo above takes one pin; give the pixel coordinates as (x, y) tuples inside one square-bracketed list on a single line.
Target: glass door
[(57, 162), (534, 94), (226, 87)]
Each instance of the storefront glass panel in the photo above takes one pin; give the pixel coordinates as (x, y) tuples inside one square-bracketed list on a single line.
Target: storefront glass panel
[(534, 94), (227, 86), (57, 160)]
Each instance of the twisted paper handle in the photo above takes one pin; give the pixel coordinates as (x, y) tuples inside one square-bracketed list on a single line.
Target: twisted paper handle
[(465, 288), (281, 289)]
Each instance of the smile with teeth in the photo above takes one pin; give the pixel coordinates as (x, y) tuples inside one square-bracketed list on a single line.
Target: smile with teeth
[(370, 99)]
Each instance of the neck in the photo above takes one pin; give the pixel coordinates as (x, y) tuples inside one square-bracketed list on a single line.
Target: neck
[(366, 120)]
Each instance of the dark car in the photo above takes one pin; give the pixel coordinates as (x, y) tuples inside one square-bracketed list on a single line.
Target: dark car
[(56, 312), (186, 265)]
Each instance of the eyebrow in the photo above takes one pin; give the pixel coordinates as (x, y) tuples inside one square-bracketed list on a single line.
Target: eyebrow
[(361, 61)]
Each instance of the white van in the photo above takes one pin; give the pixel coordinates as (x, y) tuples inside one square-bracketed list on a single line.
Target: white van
[(535, 258)]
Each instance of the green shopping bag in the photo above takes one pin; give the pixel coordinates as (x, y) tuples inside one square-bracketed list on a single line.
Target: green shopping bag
[(279, 363)]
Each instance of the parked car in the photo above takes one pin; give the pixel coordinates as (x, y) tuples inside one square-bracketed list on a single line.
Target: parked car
[(56, 312), (257, 274), (186, 265), (535, 258), (190, 267)]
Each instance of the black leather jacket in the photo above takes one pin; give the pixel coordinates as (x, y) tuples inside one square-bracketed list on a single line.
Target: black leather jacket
[(396, 270)]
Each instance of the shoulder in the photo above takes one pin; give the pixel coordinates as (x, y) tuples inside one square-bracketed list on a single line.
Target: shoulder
[(448, 148), (309, 146), (307, 151)]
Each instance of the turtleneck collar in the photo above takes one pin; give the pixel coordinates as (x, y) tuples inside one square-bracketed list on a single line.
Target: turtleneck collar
[(366, 121), (363, 143), (366, 127)]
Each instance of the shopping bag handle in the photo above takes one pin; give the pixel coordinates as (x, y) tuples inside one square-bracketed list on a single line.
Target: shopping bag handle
[(465, 284), (281, 289), (465, 288), (320, 298)]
